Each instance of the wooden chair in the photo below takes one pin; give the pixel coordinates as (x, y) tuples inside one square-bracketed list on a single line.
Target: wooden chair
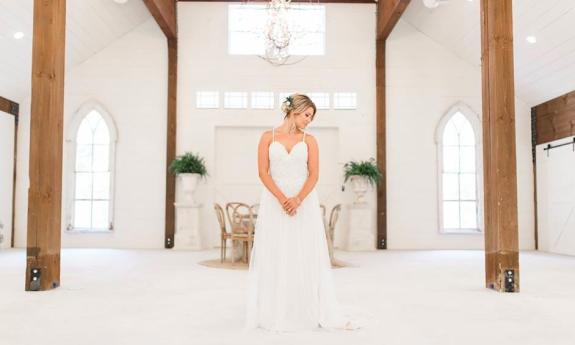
[(330, 230), (255, 208), (224, 234), (322, 206), (242, 225)]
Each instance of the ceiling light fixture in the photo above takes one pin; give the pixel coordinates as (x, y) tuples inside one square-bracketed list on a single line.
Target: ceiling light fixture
[(531, 39), (278, 34), (18, 35)]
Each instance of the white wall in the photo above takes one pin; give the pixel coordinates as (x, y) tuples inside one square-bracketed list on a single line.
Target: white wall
[(556, 198), (7, 126), (129, 79), (423, 81)]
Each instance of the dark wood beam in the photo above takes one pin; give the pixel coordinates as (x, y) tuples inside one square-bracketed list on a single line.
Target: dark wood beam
[(13, 108), (388, 13), (164, 12), (499, 158), (9, 106), (555, 119), (303, 1), (171, 142), (381, 139), (534, 161), (46, 135)]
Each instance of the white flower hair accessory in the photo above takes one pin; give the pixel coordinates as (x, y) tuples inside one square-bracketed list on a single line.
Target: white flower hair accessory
[(289, 101)]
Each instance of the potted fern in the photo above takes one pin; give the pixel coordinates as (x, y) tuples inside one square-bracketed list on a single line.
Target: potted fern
[(361, 174), (189, 168)]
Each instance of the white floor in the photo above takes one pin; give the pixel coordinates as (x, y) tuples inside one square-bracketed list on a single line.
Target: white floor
[(405, 297)]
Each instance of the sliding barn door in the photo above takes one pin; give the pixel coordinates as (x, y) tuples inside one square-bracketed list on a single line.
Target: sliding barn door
[(556, 197), (7, 132)]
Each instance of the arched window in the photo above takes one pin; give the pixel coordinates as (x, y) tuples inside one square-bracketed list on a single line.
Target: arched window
[(92, 146), (459, 170)]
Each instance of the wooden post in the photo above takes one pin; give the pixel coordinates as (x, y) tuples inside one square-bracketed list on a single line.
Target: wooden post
[(45, 192), (165, 12), (381, 144), (388, 14), (499, 159), (171, 141)]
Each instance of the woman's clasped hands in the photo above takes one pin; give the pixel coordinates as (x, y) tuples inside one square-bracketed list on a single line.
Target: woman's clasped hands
[(290, 205)]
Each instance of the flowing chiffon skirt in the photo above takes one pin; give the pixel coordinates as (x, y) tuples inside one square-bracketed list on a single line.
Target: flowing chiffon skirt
[(290, 284)]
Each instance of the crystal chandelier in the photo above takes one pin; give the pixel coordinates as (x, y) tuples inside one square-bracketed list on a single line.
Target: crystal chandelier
[(277, 34)]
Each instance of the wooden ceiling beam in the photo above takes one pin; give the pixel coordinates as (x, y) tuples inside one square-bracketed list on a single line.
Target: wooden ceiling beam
[(388, 13), (164, 12), (303, 1)]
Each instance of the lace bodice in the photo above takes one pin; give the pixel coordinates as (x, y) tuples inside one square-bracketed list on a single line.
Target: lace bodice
[(288, 169)]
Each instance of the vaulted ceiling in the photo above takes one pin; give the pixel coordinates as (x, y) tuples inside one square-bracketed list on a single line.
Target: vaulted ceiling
[(91, 25), (543, 70)]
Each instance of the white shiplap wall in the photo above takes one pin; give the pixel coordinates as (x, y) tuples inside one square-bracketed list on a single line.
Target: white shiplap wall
[(91, 25), (543, 70)]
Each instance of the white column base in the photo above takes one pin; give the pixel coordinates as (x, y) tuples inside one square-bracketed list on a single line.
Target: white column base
[(361, 235), (187, 226)]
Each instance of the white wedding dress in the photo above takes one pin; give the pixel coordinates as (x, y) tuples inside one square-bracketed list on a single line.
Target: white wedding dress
[(290, 283)]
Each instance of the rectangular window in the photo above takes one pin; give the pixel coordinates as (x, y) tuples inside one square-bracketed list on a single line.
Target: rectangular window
[(247, 24), (235, 100), (207, 99), (345, 100), (320, 99), (262, 100)]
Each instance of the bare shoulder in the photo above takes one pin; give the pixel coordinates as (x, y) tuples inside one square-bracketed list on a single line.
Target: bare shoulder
[(266, 135), (310, 140)]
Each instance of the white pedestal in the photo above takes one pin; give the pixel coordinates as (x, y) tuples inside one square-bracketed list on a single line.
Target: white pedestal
[(187, 226), (361, 234)]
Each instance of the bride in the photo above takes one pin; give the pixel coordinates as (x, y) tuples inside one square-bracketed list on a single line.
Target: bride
[(289, 281)]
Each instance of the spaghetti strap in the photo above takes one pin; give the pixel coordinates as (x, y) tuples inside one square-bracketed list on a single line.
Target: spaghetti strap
[(273, 134)]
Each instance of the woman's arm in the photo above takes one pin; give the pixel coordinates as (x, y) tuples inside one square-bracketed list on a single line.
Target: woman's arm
[(263, 167), (312, 167), (291, 204)]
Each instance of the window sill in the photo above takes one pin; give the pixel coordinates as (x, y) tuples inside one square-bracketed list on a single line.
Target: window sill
[(88, 231), (461, 232)]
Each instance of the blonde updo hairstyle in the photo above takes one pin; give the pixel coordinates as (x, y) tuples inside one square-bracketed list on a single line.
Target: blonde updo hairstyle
[(297, 103)]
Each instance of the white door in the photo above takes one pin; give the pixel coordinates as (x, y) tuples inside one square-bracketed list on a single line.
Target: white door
[(7, 132)]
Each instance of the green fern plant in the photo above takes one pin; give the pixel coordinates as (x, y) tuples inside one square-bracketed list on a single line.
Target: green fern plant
[(367, 168), (189, 163)]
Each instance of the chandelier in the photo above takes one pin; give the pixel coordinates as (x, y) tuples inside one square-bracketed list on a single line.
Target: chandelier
[(277, 33)]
